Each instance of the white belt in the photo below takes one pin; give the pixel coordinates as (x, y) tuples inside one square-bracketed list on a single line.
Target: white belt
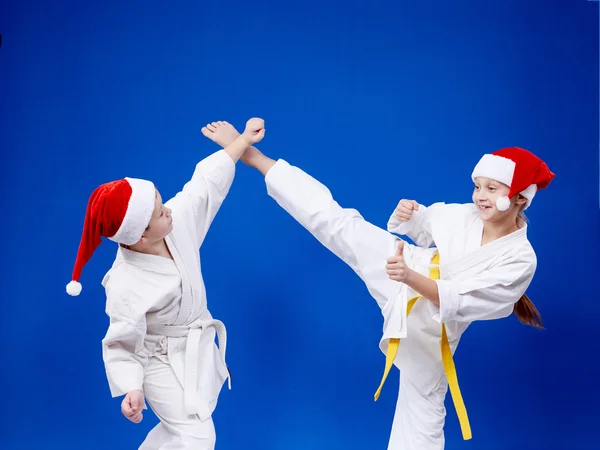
[(193, 333)]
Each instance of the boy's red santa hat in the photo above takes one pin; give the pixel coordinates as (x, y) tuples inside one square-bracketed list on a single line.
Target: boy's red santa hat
[(120, 211), (519, 169)]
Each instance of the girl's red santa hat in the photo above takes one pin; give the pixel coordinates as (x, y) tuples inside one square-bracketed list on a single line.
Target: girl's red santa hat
[(120, 211), (519, 169)]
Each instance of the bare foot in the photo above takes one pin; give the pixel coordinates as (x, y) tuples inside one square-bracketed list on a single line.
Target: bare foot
[(222, 133)]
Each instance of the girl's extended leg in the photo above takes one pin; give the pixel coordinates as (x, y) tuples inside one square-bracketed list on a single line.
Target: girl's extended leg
[(361, 245)]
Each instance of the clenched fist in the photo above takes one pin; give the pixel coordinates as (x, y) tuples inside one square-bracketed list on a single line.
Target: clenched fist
[(255, 130), (405, 209), (132, 406), (396, 268)]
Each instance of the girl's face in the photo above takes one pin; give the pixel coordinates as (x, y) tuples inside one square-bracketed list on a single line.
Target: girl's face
[(484, 196), (161, 222)]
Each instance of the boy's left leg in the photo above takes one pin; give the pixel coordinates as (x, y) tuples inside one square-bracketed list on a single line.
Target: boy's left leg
[(177, 429)]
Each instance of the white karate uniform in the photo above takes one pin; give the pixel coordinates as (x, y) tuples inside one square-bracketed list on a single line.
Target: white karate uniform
[(476, 283), (161, 337)]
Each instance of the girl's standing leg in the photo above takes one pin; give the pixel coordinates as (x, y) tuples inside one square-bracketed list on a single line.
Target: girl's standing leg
[(419, 418)]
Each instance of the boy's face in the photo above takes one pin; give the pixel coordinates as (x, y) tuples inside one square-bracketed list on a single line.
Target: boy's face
[(161, 222)]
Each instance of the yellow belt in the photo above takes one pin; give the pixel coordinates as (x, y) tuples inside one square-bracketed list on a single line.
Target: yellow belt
[(449, 368)]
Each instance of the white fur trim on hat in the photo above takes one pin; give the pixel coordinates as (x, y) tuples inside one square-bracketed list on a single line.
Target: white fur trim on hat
[(139, 211), (529, 193), (496, 168)]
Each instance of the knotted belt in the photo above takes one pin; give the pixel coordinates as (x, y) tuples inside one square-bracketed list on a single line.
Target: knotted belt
[(193, 333)]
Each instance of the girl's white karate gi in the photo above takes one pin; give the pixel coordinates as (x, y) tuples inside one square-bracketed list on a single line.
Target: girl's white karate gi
[(161, 337), (476, 283)]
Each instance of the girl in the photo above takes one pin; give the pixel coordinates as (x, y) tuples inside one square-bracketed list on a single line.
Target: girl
[(160, 341), (479, 269)]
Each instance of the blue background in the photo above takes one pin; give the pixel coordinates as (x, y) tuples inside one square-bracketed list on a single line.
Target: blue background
[(378, 100)]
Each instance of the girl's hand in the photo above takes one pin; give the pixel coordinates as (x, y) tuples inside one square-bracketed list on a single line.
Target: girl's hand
[(405, 209), (396, 269)]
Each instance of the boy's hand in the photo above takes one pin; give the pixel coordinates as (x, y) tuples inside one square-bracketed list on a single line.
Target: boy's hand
[(132, 406), (255, 130), (405, 209)]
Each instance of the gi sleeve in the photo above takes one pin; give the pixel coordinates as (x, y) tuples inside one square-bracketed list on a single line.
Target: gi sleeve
[(202, 196), (123, 351), (489, 295)]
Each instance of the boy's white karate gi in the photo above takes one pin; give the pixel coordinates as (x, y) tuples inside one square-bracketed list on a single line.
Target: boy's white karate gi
[(161, 337)]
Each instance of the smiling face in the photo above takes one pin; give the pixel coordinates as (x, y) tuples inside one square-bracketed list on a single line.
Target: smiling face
[(485, 194)]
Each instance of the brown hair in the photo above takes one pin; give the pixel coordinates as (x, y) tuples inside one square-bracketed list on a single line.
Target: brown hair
[(527, 313), (521, 217), (524, 309)]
